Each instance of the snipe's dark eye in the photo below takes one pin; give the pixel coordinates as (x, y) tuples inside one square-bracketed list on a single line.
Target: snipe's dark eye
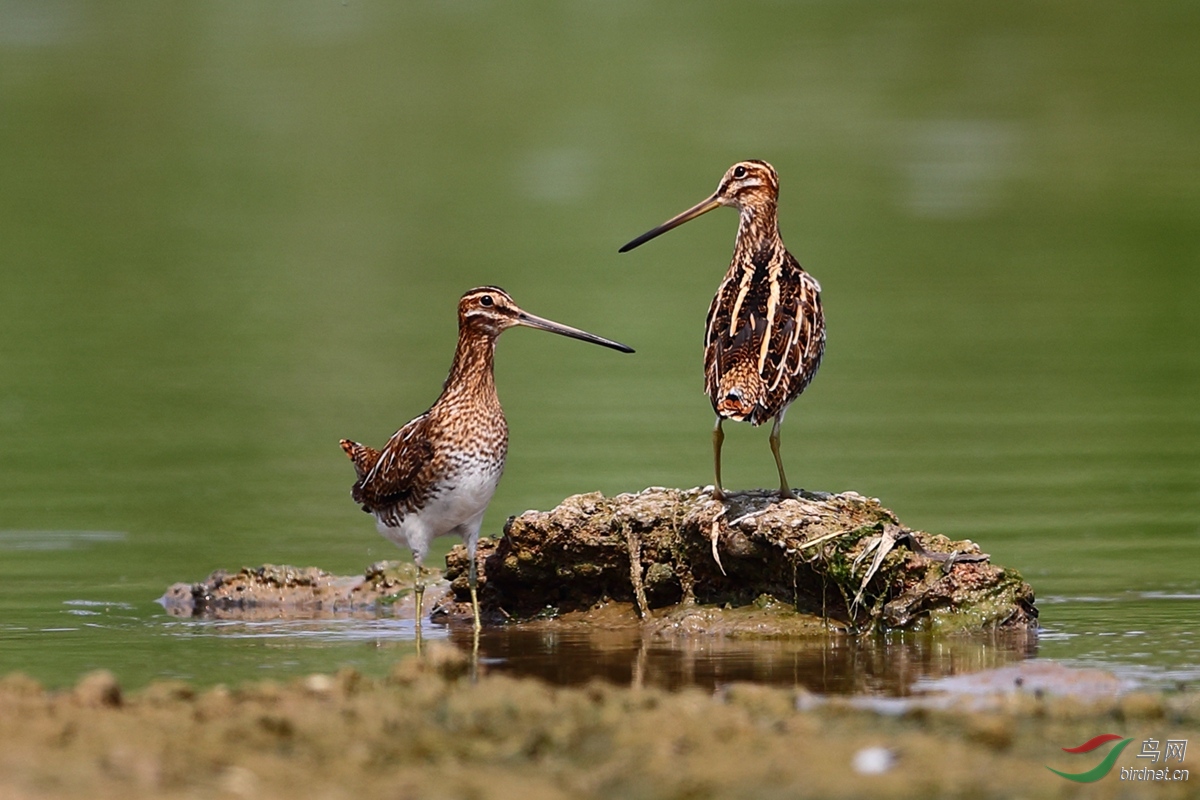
[(739, 172), (486, 300)]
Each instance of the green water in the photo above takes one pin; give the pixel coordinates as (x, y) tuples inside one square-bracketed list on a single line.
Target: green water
[(232, 233)]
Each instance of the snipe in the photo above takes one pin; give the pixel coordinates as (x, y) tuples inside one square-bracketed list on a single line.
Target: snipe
[(765, 333), (437, 474)]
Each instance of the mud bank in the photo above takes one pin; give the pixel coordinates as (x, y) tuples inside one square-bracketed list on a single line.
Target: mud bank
[(273, 591), (437, 728), (752, 566)]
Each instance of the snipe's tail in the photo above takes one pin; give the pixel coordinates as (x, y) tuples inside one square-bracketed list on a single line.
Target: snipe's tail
[(361, 456), (740, 393)]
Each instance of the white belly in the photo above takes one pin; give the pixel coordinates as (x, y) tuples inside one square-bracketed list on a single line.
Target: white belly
[(457, 510)]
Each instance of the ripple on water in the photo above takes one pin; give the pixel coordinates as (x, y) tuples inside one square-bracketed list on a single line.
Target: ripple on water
[(1144, 637), (56, 540)]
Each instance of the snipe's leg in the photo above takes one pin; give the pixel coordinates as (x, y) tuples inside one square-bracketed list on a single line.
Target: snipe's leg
[(785, 489), (718, 440), (472, 581), (419, 591), (469, 531)]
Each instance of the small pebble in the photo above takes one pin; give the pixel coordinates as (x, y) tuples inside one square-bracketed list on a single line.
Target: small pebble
[(240, 782), (320, 684), (873, 760)]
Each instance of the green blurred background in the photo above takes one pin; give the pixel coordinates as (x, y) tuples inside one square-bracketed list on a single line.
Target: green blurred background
[(232, 233)]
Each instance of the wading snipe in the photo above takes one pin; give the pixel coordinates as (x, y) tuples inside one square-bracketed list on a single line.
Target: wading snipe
[(765, 333), (436, 475)]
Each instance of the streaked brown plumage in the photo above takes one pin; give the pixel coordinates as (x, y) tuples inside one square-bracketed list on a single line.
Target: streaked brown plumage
[(765, 332), (437, 474)]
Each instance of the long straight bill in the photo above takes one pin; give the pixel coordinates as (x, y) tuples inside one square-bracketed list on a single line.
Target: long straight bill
[(674, 222), (524, 318)]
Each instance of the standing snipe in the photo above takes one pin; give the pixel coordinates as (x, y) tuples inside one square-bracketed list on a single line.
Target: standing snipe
[(437, 474), (765, 333)]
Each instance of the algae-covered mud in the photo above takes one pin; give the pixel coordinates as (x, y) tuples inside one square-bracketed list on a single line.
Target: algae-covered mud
[(437, 727), (838, 558)]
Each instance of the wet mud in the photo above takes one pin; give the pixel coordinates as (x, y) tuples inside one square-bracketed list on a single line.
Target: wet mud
[(273, 591), (439, 726)]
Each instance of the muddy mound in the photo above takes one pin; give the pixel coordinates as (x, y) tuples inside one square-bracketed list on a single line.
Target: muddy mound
[(752, 566), (841, 558)]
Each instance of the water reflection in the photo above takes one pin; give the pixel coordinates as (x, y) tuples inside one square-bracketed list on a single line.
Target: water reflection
[(834, 664), (1147, 640), (838, 664)]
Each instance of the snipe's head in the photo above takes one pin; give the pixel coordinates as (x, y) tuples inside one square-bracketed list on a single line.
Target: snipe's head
[(746, 185), (489, 310)]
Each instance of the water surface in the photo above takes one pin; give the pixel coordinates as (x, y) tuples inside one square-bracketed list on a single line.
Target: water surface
[(231, 235)]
